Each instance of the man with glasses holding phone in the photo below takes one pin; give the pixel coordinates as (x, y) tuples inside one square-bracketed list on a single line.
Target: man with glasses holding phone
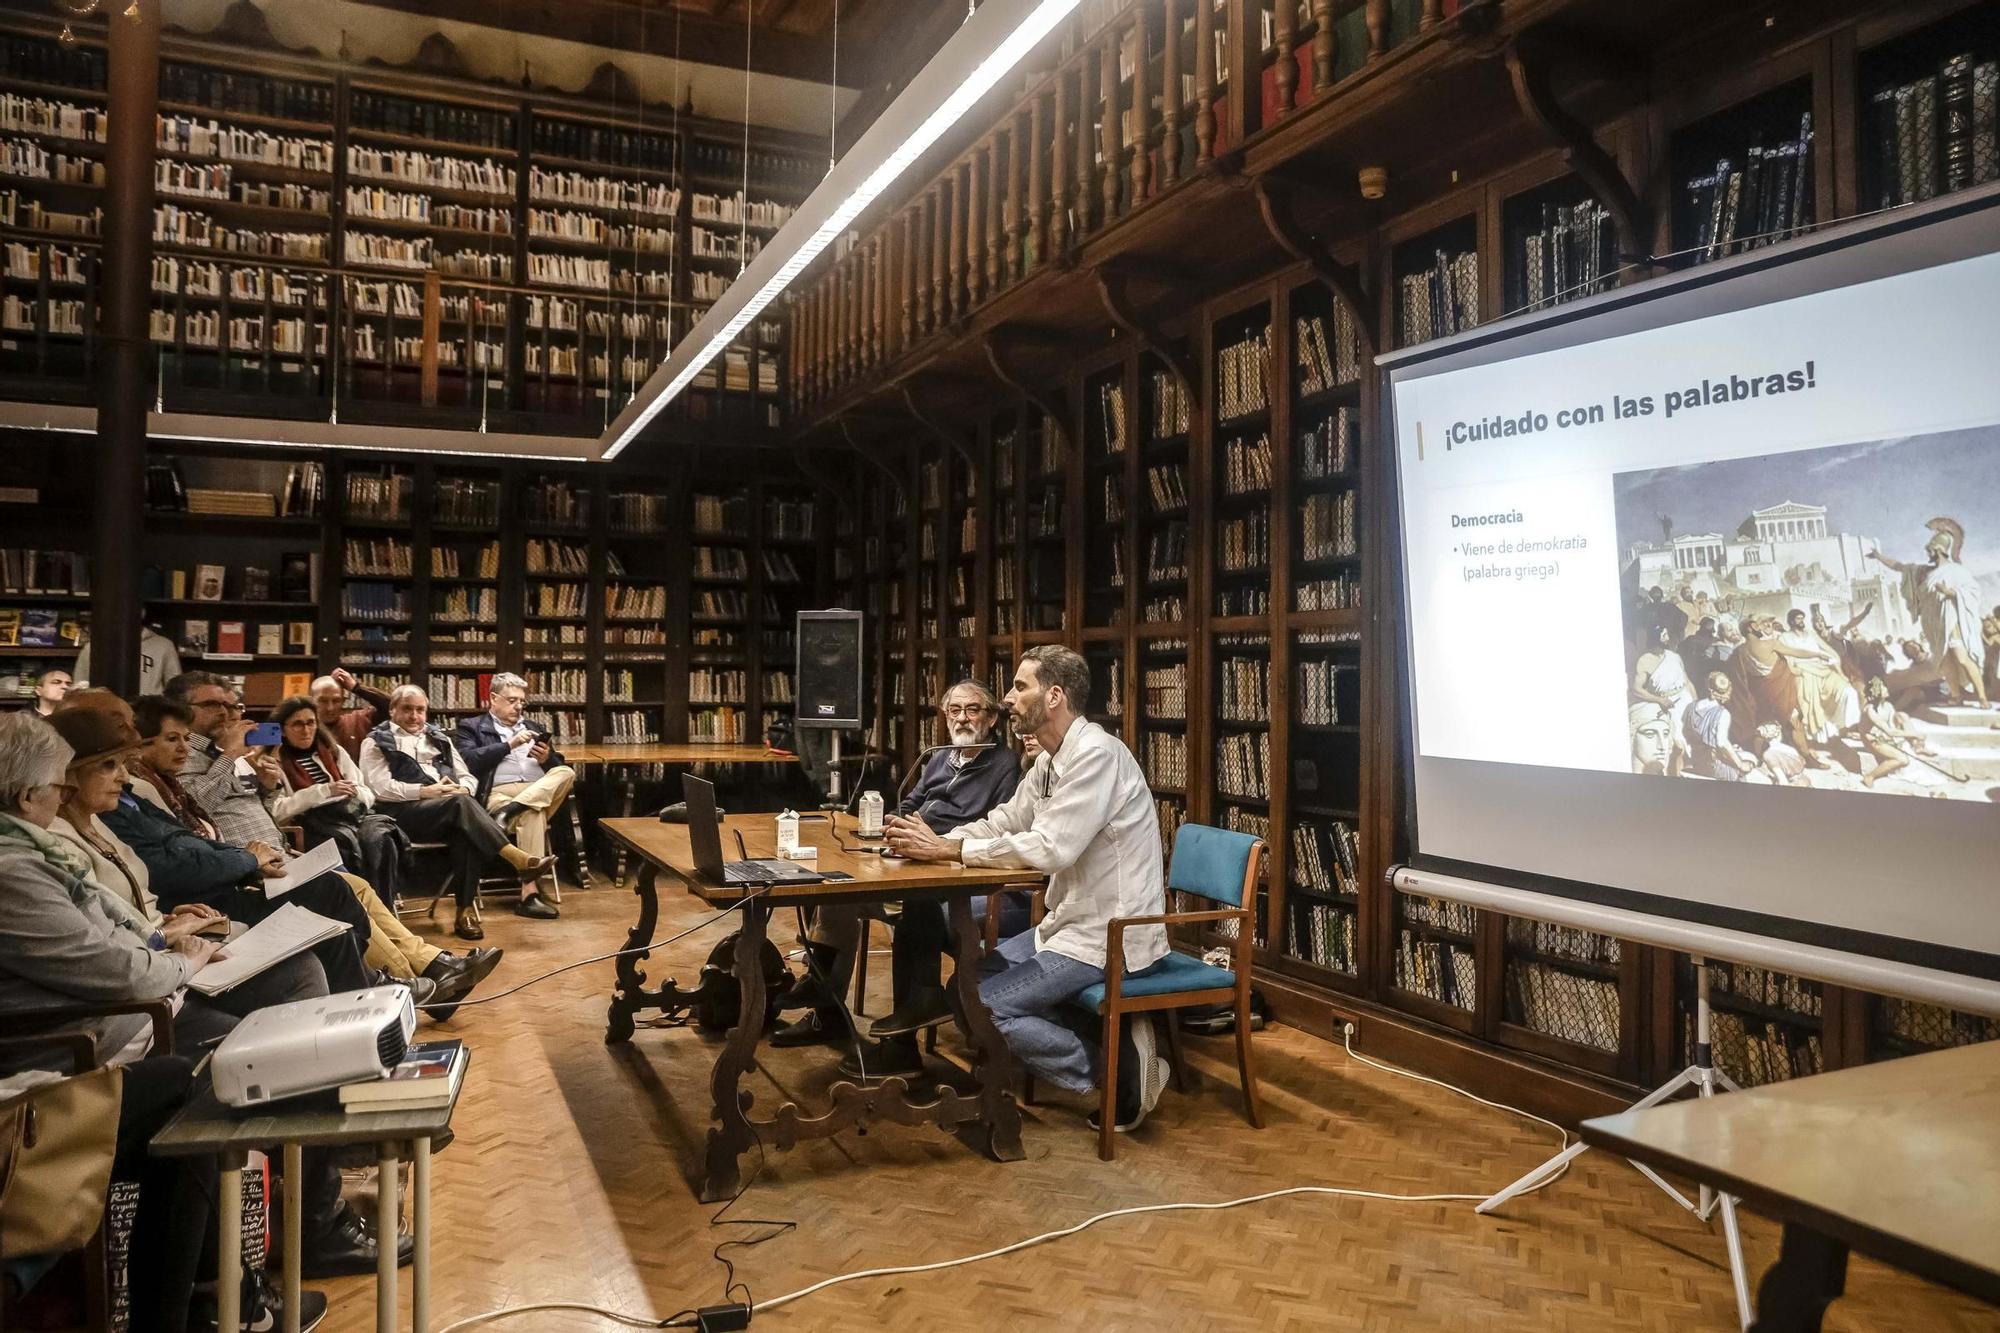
[(961, 782)]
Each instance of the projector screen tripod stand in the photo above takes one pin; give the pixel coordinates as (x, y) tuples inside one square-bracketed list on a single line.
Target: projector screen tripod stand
[(1706, 1080)]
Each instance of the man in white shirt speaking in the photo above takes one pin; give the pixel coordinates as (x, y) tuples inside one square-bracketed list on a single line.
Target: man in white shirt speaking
[(1083, 816)]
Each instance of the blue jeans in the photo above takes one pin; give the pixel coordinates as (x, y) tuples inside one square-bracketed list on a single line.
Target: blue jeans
[(1028, 993)]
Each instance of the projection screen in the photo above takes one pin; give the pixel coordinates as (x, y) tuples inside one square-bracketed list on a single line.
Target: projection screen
[(1700, 585)]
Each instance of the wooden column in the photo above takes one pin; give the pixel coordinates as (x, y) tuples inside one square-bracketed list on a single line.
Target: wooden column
[(940, 246), (1019, 149), (1378, 28), (124, 384), (975, 229), (1170, 95), (883, 269), (1204, 82), (1243, 51), (999, 198), (1086, 149), (1058, 233), (828, 306), (1112, 128), (1433, 12), (1285, 37), (905, 284), (1323, 45), (857, 310), (1142, 108)]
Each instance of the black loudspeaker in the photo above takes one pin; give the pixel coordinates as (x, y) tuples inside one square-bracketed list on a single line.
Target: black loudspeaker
[(829, 677)]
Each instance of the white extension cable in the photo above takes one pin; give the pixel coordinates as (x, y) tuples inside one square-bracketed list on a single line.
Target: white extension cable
[(1347, 1044)]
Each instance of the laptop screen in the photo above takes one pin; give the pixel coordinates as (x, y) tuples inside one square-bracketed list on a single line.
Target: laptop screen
[(704, 831)]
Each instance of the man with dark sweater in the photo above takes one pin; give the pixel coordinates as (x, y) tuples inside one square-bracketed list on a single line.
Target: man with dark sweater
[(959, 784)]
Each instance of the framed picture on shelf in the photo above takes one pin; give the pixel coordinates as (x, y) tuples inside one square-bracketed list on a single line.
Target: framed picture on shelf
[(208, 583)]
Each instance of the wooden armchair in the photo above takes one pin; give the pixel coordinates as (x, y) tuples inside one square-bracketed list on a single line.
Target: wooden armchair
[(1222, 867), (32, 1032)]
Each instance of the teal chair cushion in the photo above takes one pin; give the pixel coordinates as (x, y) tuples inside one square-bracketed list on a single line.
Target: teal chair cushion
[(1210, 862), (1175, 973)]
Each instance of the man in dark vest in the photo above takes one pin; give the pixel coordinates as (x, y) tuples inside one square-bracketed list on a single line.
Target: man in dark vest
[(420, 781)]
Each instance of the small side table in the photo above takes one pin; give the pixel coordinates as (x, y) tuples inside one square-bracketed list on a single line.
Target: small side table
[(204, 1125)]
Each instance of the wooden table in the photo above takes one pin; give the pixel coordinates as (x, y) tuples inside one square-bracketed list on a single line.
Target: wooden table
[(989, 1118), (205, 1126), (1899, 1160)]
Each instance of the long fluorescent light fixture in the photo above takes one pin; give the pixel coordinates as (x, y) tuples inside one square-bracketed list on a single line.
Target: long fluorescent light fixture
[(982, 51)]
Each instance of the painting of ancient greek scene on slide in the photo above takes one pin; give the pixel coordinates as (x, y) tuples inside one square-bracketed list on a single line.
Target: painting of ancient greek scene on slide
[(1825, 618)]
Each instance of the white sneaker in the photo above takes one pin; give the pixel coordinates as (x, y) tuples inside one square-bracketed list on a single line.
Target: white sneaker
[(1153, 1072)]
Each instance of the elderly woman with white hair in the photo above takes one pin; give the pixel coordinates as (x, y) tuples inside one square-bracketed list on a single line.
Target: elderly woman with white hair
[(420, 781)]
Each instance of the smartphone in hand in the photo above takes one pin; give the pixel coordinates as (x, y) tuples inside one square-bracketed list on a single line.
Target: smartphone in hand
[(264, 733)]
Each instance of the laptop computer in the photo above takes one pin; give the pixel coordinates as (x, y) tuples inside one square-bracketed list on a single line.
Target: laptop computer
[(705, 839)]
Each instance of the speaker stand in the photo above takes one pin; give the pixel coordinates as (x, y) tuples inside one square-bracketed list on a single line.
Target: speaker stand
[(833, 801), (1706, 1080)]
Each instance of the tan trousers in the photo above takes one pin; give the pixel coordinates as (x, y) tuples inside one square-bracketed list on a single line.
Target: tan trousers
[(391, 946), (543, 797)]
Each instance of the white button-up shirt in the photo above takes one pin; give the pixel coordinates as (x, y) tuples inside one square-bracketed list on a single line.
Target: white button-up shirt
[(1084, 817), (518, 764)]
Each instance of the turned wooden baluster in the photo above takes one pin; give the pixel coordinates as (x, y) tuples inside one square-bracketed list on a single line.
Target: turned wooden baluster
[(1142, 108), (808, 364), (1323, 47), (1113, 128), (1036, 220), (1170, 95), (997, 195), (1086, 150), (829, 297), (885, 284), (940, 251), (1378, 28), (905, 286), (1057, 236), (1433, 12), (1204, 82), (871, 277), (955, 243), (975, 228), (1019, 148), (843, 346), (1285, 38)]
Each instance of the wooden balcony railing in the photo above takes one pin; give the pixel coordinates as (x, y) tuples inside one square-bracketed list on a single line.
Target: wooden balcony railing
[(1146, 94)]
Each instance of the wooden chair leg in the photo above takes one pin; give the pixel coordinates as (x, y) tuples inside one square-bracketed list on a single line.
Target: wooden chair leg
[(1243, 1068), (1107, 1108), (861, 967), (1027, 1089), (1183, 1076), (930, 1039)]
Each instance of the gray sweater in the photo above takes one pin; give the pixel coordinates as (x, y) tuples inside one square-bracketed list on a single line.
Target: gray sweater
[(61, 946)]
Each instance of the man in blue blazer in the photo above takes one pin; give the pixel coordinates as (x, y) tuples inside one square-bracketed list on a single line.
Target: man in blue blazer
[(522, 777)]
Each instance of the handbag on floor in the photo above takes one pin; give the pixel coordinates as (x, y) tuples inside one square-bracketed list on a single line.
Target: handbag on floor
[(56, 1144)]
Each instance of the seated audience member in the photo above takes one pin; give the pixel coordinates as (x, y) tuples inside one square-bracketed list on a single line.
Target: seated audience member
[(70, 942), (435, 978), (956, 785), (50, 688), (323, 794), (522, 777), (348, 726), (1083, 816), (419, 780)]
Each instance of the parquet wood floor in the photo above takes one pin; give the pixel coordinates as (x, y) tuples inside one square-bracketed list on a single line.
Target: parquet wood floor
[(569, 1182)]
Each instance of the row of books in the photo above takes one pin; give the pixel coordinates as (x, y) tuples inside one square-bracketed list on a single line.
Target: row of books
[(1243, 599), (788, 519), (1584, 946), (26, 570), (1326, 857), (1563, 1004), (1243, 376), (720, 604), (386, 495), (192, 137), (1245, 684), (555, 599), (455, 693), (549, 556), (1166, 552), (1246, 464), (1762, 200), (1163, 757), (375, 556), (1572, 254), (574, 187), (1170, 406), (607, 144), (465, 605), (1437, 970), (174, 225), (1112, 429), (1437, 913), (778, 687), (767, 214), (58, 120), (26, 158), (41, 627), (232, 638), (720, 562), (626, 601), (1170, 813), (392, 114), (467, 503), (1321, 934), (375, 601), (1163, 609), (1440, 300), (195, 277), (1326, 357), (553, 502), (1338, 593), (17, 210), (1243, 765), (484, 176), (1327, 527), (1930, 1026), (718, 726), (634, 513), (1755, 1052), (1763, 986), (1167, 482), (1316, 687), (717, 685), (446, 562), (1326, 448), (1243, 543), (568, 271), (559, 685), (228, 90), (1937, 134), (66, 267), (779, 567)]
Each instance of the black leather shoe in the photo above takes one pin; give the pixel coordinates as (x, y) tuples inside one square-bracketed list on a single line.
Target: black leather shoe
[(536, 906), (534, 870), (262, 1308), (457, 974), (925, 1007), (898, 1058), (805, 993), (346, 1249), (817, 1027), (467, 926)]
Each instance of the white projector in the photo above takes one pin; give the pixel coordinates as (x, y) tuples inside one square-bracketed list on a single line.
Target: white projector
[(306, 1046)]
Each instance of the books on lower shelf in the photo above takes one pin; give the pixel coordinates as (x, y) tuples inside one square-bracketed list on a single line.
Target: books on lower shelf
[(1436, 969), (1321, 934), (64, 573), (1326, 857), (1755, 1051), (1565, 1005), (1440, 300), (1936, 134), (1757, 200), (428, 1076), (1326, 357)]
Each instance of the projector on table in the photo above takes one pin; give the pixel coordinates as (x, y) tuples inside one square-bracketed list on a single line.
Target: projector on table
[(289, 1050)]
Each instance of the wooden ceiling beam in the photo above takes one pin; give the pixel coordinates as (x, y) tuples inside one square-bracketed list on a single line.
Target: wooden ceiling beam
[(615, 25)]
